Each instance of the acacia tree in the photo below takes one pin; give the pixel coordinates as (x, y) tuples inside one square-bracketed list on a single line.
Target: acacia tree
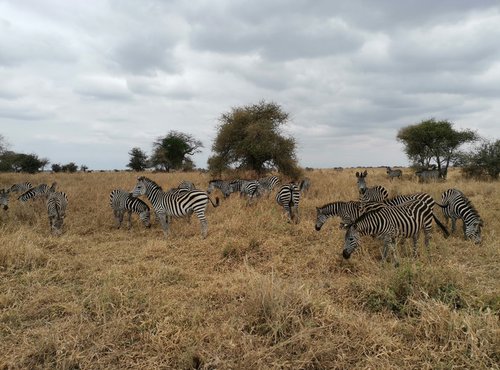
[(173, 151), (138, 160), (434, 142), (250, 138)]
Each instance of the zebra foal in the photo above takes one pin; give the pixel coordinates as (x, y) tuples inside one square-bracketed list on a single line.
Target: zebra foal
[(122, 201), (456, 205), (175, 204), (288, 197)]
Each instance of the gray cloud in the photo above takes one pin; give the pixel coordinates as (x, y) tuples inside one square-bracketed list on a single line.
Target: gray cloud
[(106, 76)]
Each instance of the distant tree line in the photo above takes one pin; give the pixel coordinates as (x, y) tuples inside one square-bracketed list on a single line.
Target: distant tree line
[(11, 161)]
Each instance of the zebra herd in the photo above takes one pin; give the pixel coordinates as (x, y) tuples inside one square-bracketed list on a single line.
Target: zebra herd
[(374, 213), (55, 201), (401, 216)]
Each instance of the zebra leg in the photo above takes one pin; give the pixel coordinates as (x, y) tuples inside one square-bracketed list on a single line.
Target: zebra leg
[(415, 250), (117, 218), (129, 219), (163, 218), (453, 224)]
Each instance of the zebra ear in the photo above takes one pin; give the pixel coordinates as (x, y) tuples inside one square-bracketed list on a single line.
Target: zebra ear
[(357, 174), (365, 173)]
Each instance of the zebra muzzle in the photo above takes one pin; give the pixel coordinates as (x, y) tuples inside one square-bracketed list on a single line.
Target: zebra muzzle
[(5, 207), (346, 254)]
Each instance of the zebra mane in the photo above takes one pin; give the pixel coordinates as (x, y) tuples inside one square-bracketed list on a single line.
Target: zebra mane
[(149, 181), (337, 202)]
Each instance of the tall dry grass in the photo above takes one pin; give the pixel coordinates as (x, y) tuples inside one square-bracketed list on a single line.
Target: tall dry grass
[(257, 293)]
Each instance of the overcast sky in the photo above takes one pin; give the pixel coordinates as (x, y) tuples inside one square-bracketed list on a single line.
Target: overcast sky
[(85, 81)]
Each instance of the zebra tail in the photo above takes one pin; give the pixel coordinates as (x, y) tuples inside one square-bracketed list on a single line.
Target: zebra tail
[(216, 204), (443, 228), (441, 205)]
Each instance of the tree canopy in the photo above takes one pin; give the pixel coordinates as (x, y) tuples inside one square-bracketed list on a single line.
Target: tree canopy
[(483, 161), (250, 138), (173, 151), (434, 142), (138, 160)]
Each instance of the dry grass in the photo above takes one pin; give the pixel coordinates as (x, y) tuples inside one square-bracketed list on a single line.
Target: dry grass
[(257, 293)]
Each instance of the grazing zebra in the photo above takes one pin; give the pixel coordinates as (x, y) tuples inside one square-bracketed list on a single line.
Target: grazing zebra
[(267, 184), (304, 185), (361, 180), (56, 208), (250, 188), (394, 173), (400, 199), (347, 211), (427, 175), (457, 206), (176, 204), (236, 185), (21, 187), (404, 220), (42, 190), (375, 194), (288, 197), (187, 185), (222, 185), (4, 198), (122, 201)]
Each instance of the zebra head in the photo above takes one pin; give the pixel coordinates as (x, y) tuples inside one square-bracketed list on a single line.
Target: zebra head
[(140, 188), (351, 241), (473, 231), (320, 218), (4, 198), (361, 180)]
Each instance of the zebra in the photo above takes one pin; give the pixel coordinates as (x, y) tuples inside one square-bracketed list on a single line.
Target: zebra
[(122, 201), (56, 208), (267, 184), (288, 197), (375, 194), (427, 175), (4, 198), (404, 220), (21, 187), (367, 206), (361, 180), (222, 185), (394, 173), (176, 204), (304, 185), (347, 211), (456, 205), (250, 188), (42, 190), (188, 185)]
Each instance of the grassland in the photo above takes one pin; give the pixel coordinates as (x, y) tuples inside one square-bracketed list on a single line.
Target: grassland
[(257, 293)]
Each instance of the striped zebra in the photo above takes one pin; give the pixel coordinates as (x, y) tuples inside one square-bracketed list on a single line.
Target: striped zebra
[(176, 204), (42, 190), (249, 188), (4, 198), (288, 197), (361, 182), (56, 208), (267, 184), (375, 194), (456, 205), (389, 222), (394, 173), (187, 185), (347, 211), (427, 175), (222, 185), (122, 201), (425, 198), (304, 185), (21, 187)]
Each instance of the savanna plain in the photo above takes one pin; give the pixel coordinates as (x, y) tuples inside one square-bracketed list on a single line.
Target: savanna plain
[(257, 293)]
